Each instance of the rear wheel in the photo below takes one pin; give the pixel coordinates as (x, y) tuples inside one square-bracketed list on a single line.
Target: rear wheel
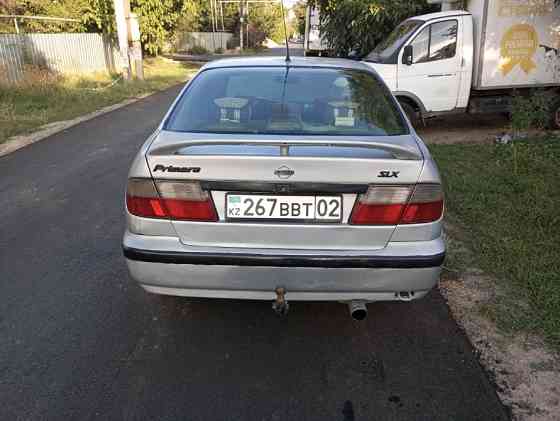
[(411, 113)]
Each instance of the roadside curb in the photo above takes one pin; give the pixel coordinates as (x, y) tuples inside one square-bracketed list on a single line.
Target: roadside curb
[(196, 58), (14, 143), (204, 58)]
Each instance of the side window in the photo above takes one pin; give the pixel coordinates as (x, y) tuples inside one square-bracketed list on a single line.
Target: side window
[(443, 40), (421, 46), (437, 41)]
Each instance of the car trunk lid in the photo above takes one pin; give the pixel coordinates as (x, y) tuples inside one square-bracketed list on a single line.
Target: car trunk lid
[(281, 165)]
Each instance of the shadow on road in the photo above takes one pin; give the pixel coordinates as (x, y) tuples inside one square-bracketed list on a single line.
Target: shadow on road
[(238, 360)]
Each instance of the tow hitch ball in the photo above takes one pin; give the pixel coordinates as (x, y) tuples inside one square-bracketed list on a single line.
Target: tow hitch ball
[(280, 305)]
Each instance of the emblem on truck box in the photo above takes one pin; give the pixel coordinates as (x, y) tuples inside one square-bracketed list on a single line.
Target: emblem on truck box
[(388, 174), (171, 168)]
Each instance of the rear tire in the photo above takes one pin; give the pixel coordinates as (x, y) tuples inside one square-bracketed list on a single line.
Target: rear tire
[(411, 113)]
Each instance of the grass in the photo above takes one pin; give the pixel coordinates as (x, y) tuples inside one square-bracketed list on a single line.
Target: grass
[(43, 97), (507, 200)]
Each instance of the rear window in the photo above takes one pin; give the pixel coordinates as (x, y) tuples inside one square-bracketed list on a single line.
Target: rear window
[(281, 100)]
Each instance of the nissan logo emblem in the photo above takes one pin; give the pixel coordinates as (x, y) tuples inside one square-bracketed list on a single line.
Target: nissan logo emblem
[(284, 172)]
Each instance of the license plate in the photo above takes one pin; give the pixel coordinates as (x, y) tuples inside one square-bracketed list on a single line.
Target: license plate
[(278, 207)]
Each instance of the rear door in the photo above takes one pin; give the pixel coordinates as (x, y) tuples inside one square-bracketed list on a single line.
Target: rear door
[(249, 167), (434, 75)]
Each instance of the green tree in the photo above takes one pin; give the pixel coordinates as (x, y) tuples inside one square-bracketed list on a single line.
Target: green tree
[(157, 21), (158, 18), (92, 15), (189, 16), (62, 8), (265, 21), (299, 10), (99, 15), (358, 25)]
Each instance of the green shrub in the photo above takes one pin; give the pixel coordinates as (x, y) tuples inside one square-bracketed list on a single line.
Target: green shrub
[(219, 50), (531, 111), (198, 50), (233, 42)]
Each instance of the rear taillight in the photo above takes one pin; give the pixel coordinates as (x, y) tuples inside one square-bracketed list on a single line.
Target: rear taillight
[(142, 199), (392, 205), (180, 200), (425, 205), (381, 205)]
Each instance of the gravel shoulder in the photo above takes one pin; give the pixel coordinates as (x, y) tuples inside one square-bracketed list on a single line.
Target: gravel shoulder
[(463, 128)]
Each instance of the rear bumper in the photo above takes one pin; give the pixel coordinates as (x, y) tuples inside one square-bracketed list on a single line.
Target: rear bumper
[(163, 265), (272, 260)]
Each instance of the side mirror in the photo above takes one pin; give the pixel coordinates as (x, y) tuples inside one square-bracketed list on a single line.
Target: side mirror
[(407, 55), (353, 55)]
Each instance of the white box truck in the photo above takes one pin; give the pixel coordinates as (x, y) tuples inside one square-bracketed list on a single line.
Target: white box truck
[(473, 60)]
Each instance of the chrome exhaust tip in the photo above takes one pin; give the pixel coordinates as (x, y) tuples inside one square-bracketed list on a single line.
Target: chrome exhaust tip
[(405, 295), (358, 310)]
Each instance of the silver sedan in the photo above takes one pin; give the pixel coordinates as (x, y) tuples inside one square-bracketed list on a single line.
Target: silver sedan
[(285, 180)]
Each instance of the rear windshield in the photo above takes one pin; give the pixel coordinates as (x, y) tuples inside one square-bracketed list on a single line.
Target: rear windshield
[(281, 100)]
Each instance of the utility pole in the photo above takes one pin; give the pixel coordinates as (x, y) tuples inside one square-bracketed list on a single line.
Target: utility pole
[(222, 14), (136, 50), (128, 32), (122, 10), (241, 20), (213, 25), (247, 18)]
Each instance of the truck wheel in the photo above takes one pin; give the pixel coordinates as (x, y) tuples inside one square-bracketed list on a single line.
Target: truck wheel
[(411, 113), (555, 115)]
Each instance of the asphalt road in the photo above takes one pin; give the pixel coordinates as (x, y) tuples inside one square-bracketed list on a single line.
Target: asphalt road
[(79, 340), (295, 50)]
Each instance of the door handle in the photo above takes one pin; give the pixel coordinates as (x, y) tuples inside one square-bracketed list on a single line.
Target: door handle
[(441, 75)]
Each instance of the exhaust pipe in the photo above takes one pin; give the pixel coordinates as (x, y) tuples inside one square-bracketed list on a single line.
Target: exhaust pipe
[(405, 295), (358, 310), (280, 305)]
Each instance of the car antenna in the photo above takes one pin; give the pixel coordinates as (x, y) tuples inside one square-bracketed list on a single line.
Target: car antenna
[(285, 32)]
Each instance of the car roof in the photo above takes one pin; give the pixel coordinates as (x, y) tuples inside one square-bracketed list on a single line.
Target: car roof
[(439, 15), (273, 61)]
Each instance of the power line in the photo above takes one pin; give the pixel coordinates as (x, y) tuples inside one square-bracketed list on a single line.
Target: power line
[(39, 18)]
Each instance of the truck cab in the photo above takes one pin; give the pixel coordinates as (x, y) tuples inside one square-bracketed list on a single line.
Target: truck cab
[(427, 61), (472, 61)]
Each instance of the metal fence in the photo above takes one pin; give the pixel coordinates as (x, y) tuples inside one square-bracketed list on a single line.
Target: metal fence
[(210, 41), (63, 53)]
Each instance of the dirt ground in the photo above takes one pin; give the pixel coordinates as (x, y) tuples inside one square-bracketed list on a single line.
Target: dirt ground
[(526, 374), (463, 128)]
